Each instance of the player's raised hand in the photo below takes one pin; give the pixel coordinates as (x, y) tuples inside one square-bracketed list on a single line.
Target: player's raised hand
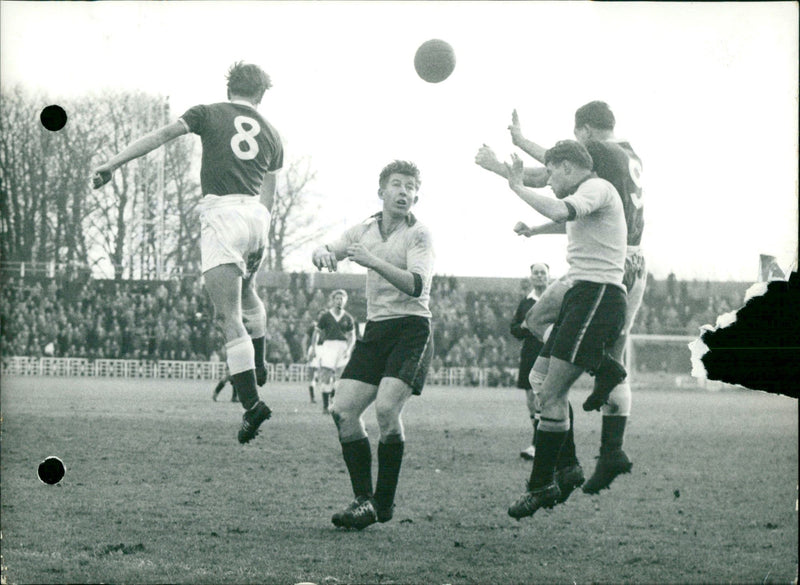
[(515, 172), (522, 229), (324, 258), (101, 177), (515, 129), (486, 158)]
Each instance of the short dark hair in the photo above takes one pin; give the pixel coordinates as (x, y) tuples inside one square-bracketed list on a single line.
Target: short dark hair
[(570, 150), (402, 167), (596, 114), (545, 264), (247, 80)]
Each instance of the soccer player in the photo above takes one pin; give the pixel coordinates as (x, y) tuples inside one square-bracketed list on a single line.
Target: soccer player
[(312, 357), (531, 345), (615, 161), (336, 332), (221, 385), (390, 363), (242, 153), (592, 313)]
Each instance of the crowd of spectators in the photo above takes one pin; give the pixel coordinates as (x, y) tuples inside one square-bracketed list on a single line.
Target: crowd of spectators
[(174, 320)]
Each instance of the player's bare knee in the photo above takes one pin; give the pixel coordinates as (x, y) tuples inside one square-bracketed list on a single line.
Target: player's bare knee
[(619, 401), (392, 438), (388, 419), (337, 419), (554, 406)]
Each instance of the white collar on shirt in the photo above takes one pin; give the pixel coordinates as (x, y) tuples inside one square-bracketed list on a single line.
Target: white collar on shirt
[(243, 103)]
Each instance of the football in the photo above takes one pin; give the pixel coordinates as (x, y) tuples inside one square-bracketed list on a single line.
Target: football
[(435, 60)]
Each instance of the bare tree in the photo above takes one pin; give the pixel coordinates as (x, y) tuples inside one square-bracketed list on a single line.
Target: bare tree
[(143, 221), (294, 219), (43, 180)]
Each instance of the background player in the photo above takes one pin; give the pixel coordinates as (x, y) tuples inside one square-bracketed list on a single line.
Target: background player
[(334, 338), (531, 345), (390, 363), (312, 358), (616, 161), (593, 311), (241, 153)]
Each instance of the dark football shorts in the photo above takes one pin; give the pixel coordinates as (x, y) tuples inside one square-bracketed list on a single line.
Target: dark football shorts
[(393, 348), (590, 321)]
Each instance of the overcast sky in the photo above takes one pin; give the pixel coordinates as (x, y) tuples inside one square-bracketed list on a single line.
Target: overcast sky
[(706, 93)]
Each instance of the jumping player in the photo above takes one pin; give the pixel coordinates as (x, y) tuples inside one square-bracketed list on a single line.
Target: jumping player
[(336, 332), (390, 363), (616, 161), (531, 345), (241, 154), (592, 313)]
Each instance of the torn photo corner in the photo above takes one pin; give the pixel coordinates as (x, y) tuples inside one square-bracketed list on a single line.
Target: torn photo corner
[(758, 345)]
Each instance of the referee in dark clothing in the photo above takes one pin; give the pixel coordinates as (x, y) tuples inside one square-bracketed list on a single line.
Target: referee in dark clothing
[(539, 278)]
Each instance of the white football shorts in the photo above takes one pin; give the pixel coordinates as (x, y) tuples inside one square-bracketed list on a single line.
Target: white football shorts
[(332, 354), (234, 229)]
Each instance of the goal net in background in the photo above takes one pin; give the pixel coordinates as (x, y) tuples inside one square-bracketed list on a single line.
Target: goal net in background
[(665, 359)]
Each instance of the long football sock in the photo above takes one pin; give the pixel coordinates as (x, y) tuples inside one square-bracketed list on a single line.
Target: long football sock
[(567, 457), (390, 458), (242, 367), (548, 445), (244, 386), (611, 433), (259, 346), (358, 458)]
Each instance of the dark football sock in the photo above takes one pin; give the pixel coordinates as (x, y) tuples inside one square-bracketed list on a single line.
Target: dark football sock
[(567, 457), (325, 397), (612, 432), (358, 458), (244, 384), (390, 457), (535, 422), (259, 345), (311, 393), (548, 445)]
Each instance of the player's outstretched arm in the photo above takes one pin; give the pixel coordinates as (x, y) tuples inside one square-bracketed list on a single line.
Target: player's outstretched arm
[(487, 159), (519, 140), (137, 149), (552, 227), (553, 209)]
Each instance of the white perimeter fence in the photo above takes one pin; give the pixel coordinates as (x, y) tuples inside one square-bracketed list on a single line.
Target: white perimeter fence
[(647, 353)]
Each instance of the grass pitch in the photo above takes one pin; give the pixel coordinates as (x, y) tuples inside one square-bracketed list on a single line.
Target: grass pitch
[(157, 490)]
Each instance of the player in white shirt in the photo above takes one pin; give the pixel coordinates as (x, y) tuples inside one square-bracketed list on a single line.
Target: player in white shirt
[(592, 314)]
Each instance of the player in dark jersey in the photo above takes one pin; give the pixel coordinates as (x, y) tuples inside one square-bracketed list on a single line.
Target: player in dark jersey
[(531, 345), (616, 161), (334, 338), (241, 154)]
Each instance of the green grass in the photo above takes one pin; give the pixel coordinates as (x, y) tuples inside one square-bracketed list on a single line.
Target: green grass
[(157, 490)]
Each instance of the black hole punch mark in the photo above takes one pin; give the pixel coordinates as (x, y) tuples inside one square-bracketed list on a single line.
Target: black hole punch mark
[(54, 118), (51, 470)]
